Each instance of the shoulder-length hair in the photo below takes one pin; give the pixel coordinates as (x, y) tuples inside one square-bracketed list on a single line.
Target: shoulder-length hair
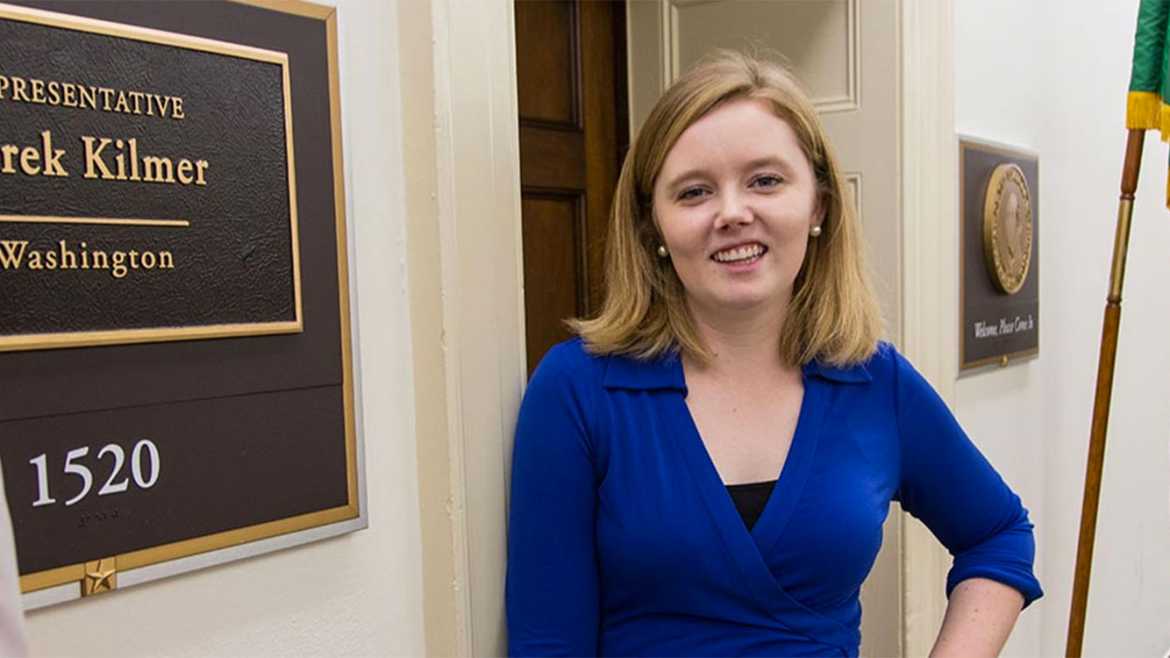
[(832, 316)]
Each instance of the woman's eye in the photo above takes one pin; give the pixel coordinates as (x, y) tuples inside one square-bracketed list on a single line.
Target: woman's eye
[(767, 181), (690, 193)]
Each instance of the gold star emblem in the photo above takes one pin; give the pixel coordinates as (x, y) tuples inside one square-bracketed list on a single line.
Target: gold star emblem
[(100, 576)]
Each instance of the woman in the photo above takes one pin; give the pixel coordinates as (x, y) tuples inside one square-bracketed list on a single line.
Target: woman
[(705, 470)]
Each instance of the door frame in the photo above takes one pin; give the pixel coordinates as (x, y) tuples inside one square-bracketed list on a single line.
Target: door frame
[(465, 280)]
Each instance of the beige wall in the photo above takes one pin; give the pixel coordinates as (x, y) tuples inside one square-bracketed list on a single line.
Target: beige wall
[(1052, 76), (360, 594)]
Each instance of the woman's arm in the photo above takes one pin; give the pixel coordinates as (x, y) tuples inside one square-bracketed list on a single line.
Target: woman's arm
[(552, 590), (979, 618)]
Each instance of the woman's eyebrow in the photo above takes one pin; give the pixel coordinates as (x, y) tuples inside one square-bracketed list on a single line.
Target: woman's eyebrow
[(769, 161), (678, 180)]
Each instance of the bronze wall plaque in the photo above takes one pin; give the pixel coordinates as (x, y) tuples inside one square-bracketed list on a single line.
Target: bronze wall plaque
[(1000, 301), (147, 186), (141, 444)]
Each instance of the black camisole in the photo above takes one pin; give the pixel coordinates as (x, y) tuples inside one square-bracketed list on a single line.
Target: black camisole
[(750, 499)]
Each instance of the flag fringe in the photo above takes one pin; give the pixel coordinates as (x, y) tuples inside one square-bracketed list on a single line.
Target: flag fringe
[(1144, 110)]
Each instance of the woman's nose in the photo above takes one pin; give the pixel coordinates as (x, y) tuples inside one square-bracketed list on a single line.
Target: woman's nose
[(733, 211)]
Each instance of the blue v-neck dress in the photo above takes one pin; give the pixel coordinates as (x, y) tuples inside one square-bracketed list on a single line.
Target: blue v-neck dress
[(623, 540)]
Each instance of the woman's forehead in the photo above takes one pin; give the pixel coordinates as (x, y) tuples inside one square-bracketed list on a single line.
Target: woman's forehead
[(737, 134)]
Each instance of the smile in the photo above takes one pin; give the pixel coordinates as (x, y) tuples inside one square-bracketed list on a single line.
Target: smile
[(741, 254)]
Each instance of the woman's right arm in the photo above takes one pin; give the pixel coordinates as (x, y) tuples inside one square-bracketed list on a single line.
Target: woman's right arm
[(552, 578)]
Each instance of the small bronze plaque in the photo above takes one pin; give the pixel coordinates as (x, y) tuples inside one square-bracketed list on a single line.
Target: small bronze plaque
[(1000, 303)]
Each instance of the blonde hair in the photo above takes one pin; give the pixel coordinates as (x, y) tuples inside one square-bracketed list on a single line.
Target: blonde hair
[(833, 315)]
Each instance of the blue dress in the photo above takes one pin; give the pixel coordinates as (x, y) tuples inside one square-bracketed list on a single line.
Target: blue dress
[(623, 540)]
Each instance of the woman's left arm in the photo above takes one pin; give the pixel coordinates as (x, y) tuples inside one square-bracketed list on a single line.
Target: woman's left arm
[(948, 484), (979, 618)]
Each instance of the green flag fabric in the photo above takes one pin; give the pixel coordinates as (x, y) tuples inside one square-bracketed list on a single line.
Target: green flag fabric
[(1149, 83)]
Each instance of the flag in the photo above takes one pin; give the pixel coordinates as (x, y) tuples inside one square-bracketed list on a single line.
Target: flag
[(1149, 83)]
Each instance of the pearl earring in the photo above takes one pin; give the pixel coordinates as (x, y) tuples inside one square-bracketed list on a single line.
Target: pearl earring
[(662, 252), (815, 231)]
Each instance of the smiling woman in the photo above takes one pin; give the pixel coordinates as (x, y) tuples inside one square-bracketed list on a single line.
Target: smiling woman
[(705, 471)]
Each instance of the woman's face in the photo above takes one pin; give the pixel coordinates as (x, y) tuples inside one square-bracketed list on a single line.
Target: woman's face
[(735, 200)]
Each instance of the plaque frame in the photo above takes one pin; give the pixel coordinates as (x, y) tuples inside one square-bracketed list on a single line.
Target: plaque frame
[(68, 582), (40, 341)]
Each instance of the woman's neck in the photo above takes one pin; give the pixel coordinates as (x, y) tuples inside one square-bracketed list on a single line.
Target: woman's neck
[(741, 342)]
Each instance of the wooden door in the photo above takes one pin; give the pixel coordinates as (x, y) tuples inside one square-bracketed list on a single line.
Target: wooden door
[(570, 69)]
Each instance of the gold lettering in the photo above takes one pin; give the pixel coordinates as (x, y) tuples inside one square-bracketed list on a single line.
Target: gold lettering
[(68, 258), (18, 90), (29, 158), (121, 105), (93, 158), (164, 105), (119, 260), (100, 260), (70, 94), (84, 257), (134, 160), (120, 160), (158, 170), (137, 96), (34, 261), (184, 171), (107, 94), (177, 113), (9, 151), (201, 167), (12, 253), (38, 91), (166, 261), (54, 93), (88, 98), (52, 156), (50, 260), (133, 259), (4, 83), (148, 260)]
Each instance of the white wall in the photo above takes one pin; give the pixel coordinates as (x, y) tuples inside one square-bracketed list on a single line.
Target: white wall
[(1051, 76), (360, 594)]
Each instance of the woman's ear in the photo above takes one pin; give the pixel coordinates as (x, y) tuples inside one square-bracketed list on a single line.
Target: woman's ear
[(821, 210)]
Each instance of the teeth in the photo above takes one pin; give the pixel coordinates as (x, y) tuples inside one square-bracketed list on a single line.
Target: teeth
[(739, 253)]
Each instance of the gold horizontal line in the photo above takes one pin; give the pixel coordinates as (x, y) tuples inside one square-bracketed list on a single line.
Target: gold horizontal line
[(109, 221)]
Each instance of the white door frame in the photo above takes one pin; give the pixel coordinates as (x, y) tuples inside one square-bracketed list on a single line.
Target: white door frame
[(465, 275)]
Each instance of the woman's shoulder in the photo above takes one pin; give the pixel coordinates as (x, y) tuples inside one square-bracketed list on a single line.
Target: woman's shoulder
[(569, 358), (573, 364), (568, 366), (879, 366)]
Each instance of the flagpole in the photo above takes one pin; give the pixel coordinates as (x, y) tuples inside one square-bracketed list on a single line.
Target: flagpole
[(1108, 353)]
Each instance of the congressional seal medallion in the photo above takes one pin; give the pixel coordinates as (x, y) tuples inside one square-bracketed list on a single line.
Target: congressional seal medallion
[(1007, 228)]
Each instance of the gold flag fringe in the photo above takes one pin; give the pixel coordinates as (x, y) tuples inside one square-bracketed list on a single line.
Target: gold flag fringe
[(1145, 110)]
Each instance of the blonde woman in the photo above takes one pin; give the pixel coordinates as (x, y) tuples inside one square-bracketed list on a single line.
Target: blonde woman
[(705, 470)]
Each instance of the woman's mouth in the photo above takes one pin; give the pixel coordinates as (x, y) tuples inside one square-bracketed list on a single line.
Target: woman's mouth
[(740, 255)]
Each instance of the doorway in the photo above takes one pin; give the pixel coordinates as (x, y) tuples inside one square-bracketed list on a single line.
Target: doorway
[(572, 100)]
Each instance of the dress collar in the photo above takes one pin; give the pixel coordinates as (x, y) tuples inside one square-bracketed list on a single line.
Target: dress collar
[(666, 373)]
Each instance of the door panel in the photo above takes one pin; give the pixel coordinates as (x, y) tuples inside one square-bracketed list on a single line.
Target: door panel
[(570, 63), (545, 222)]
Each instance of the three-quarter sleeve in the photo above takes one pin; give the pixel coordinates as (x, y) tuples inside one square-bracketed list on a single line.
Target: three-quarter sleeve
[(949, 485), (552, 575)]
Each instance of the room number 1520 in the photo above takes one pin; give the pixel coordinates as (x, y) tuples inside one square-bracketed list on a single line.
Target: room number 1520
[(144, 469)]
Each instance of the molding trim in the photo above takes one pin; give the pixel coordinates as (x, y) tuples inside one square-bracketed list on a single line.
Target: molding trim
[(930, 278), (851, 100), (467, 307)]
